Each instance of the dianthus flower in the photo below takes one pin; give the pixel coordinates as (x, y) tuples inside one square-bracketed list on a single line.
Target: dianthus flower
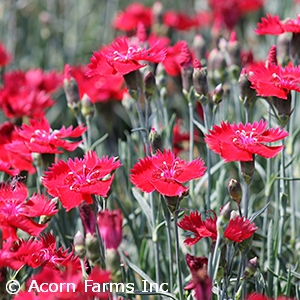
[(39, 252), (16, 159), (256, 296), (122, 57), (238, 142), (274, 26), (28, 93), (38, 137), (110, 226), (238, 229), (134, 14), (99, 88), (275, 80), (76, 180), (165, 173), (17, 212), (180, 20)]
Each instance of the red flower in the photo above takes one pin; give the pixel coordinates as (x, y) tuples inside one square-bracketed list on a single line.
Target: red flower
[(122, 57), (27, 93), (5, 57), (240, 142), (179, 20), (16, 212), (134, 14), (256, 296), (238, 229), (99, 88), (38, 137), (269, 25), (165, 173), (76, 180), (18, 160), (198, 227), (110, 226), (200, 282), (273, 25), (36, 253)]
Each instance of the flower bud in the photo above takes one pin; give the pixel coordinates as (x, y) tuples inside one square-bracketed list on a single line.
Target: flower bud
[(113, 264), (87, 107), (161, 76), (79, 245), (247, 94), (46, 219), (223, 219), (295, 45), (247, 170), (234, 50), (218, 94), (131, 82), (235, 191), (93, 253), (155, 141), (283, 109), (219, 68), (272, 57), (251, 268), (150, 85), (71, 90), (200, 79)]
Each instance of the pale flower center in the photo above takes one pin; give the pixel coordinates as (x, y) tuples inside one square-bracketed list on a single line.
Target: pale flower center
[(166, 171), (244, 138)]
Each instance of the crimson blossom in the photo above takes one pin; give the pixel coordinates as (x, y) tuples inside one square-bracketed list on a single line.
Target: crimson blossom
[(275, 80), (38, 137), (165, 173), (238, 142), (238, 229), (5, 57), (77, 180), (16, 212), (122, 57)]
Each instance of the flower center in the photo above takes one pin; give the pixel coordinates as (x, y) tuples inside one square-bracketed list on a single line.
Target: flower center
[(83, 177), (125, 56), (244, 139), (166, 171)]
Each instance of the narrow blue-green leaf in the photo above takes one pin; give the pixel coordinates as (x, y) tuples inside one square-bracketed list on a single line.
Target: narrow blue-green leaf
[(143, 204)]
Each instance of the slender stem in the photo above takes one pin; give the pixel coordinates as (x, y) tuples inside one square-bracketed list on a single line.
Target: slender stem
[(142, 123), (208, 162), (179, 278), (88, 123), (247, 110), (215, 260), (246, 202), (154, 239), (191, 152), (170, 250)]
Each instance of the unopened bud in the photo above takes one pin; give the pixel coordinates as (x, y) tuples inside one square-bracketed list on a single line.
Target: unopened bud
[(234, 50), (283, 109), (283, 49), (223, 219), (92, 248), (247, 94), (87, 107), (150, 85), (161, 76), (131, 82), (235, 191), (251, 268), (218, 94), (247, 170), (71, 90), (200, 79), (79, 245), (272, 57), (219, 68), (155, 141), (295, 44)]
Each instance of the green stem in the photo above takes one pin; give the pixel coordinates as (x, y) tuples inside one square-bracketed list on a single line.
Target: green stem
[(89, 140), (177, 248), (246, 202), (191, 152), (84, 138), (155, 239), (169, 240), (212, 269)]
